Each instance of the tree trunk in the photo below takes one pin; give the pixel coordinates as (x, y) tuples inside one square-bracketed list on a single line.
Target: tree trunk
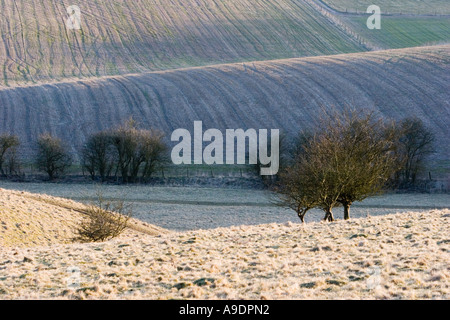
[(301, 215), (329, 215), (346, 211), (1, 169)]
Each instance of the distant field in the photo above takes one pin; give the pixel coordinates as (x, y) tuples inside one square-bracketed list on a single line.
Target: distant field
[(164, 63), (393, 6), (403, 32), (205, 208), (121, 36)]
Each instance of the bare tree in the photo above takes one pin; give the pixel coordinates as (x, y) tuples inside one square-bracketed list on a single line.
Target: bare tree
[(154, 150), (368, 158), (126, 141), (52, 156), (323, 161), (350, 158), (8, 153), (138, 151), (415, 145), (295, 189), (313, 180), (99, 156), (127, 150)]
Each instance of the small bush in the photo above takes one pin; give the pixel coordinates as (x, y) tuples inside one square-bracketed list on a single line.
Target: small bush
[(104, 221)]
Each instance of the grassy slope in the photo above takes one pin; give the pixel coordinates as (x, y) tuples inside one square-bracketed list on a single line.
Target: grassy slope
[(397, 83), (121, 36), (403, 32), (393, 6), (397, 31), (403, 256), (28, 219)]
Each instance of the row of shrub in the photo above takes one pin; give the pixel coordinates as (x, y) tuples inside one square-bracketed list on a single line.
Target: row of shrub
[(125, 152), (129, 154)]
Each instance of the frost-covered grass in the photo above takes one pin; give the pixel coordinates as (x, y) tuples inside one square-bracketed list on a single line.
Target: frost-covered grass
[(399, 256), (403, 256)]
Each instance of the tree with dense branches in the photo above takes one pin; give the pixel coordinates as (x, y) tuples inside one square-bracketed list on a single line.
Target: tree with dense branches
[(8, 153), (52, 156), (415, 144), (350, 158)]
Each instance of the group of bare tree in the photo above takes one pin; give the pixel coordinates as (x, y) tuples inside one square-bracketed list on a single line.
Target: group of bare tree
[(51, 156), (350, 157), (125, 153)]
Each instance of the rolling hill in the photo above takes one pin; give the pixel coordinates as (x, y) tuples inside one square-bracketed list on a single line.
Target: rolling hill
[(285, 94), (121, 37)]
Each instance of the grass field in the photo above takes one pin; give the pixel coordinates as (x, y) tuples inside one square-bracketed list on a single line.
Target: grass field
[(397, 256), (403, 256), (403, 32), (393, 6)]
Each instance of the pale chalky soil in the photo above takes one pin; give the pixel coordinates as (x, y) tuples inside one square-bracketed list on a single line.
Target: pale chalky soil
[(402, 256)]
